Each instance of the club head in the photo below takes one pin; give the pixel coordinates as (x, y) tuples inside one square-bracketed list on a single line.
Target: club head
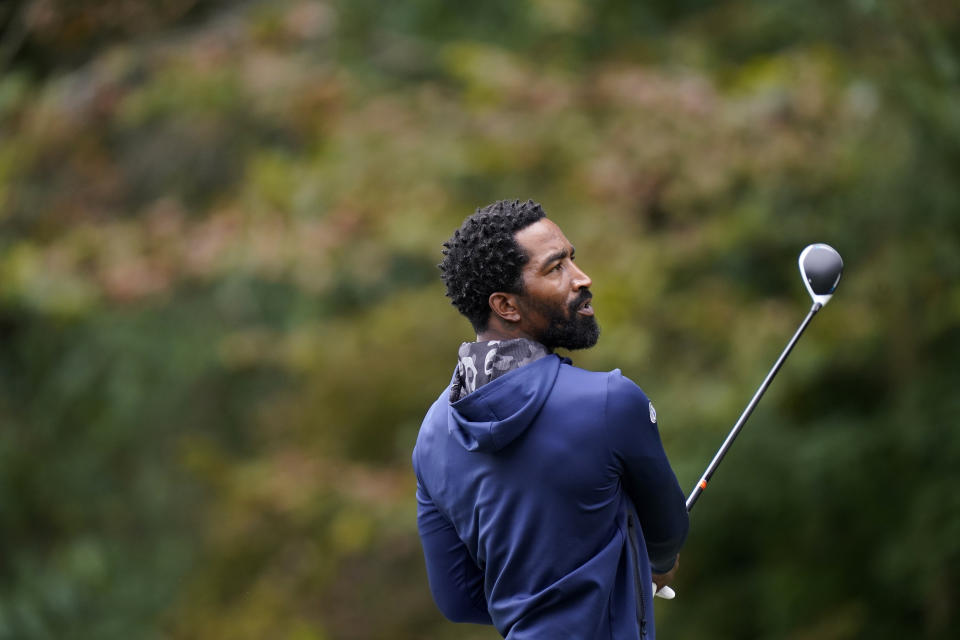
[(821, 267)]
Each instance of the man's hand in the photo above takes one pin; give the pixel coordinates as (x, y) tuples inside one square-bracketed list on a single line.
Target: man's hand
[(661, 582)]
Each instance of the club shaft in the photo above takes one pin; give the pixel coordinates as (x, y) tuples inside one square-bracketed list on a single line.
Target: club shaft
[(712, 467)]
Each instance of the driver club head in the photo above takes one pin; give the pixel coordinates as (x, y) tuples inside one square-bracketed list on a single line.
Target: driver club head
[(821, 267)]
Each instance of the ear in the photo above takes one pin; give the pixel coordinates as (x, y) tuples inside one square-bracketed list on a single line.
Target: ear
[(505, 306)]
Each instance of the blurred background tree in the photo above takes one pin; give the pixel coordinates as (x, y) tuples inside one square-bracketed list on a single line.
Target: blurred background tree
[(221, 322)]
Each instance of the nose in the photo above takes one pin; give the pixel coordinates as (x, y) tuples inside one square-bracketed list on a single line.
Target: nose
[(580, 279)]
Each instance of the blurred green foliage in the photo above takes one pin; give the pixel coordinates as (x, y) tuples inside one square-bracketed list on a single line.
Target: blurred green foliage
[(221, 323)]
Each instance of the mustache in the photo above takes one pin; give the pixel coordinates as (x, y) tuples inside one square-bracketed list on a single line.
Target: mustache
[(583, 297)]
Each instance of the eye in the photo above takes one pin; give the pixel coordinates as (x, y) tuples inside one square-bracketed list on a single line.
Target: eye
[(557, 267)]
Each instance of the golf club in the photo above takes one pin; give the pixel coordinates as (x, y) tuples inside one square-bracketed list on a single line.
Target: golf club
[(821, 267)]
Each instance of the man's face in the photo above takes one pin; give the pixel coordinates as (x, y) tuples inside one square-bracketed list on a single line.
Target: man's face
[(555, 303)]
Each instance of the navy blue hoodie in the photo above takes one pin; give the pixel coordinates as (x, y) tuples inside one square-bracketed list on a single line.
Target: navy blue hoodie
[(543, 498)]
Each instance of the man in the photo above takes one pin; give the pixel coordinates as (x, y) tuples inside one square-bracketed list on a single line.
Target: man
[(546, 504)]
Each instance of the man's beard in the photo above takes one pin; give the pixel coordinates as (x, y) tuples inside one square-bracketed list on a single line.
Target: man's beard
[(569, 330)]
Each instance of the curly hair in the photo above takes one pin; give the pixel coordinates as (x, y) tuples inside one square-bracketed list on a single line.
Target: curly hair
[(483, 257)]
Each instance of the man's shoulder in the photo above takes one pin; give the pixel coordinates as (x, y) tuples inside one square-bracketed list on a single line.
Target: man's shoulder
[(438, 406), (613, 378), (613, 385), (601, 384), (433, 423)]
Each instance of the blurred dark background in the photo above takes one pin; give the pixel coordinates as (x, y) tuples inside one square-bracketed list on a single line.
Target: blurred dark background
[(221, 320)]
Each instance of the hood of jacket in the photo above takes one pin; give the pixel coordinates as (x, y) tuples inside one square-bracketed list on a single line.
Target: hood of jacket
[(499, 412)]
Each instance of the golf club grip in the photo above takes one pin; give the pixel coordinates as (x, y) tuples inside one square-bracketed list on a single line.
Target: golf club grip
[(712, 467)]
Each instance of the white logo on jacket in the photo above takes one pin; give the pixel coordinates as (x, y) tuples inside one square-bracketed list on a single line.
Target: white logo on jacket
[(653, 413)]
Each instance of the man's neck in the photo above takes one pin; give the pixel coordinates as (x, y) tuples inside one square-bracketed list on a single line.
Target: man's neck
[(500, 331)]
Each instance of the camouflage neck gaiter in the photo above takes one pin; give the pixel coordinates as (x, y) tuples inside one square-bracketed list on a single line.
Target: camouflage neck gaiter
[(481, 362)]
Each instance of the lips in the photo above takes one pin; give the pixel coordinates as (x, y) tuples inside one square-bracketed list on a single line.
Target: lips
[(585, 308)]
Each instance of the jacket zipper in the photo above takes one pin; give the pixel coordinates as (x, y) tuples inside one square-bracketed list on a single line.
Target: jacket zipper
[(641, 607)]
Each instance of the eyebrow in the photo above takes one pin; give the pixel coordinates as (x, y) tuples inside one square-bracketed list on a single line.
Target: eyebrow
[(558, 255)]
